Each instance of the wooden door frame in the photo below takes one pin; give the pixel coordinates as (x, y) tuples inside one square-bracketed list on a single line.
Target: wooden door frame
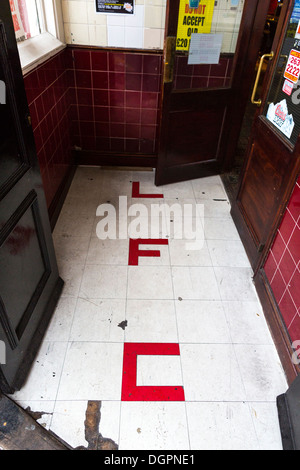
[(252, 26), (261, 282)]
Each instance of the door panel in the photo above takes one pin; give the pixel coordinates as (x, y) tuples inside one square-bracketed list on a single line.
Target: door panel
[(29, 281), (203, 104), (200, 143), (272, 159)]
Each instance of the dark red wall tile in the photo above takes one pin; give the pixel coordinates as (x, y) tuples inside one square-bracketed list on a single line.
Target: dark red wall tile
[(117, 98), (83, 79), (100, 80), (116, 61), (101, 113), (151, 64), (133, 99), (133, 63), (82, 59), (99, 60), (100, 97)]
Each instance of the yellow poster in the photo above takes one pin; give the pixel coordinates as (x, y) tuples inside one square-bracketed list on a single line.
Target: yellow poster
[(193, 20)]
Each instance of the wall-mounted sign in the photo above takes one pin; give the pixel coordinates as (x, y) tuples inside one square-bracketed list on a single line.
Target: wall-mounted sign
[(193, 20), (115, 6), (279, 116)]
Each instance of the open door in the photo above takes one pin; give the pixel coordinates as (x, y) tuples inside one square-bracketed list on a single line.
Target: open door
[(273, 156), (29, 282), (204, 103)]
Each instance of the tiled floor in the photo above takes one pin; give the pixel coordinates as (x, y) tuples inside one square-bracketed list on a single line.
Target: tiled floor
[(174, 350)]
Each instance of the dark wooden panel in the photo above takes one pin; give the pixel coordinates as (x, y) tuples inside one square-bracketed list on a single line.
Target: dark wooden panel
[(264, 188)]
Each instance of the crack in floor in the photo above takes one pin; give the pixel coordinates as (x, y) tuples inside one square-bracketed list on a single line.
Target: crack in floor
[(92, 421)]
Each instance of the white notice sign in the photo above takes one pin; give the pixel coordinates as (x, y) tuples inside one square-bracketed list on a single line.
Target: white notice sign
[(205, 48)]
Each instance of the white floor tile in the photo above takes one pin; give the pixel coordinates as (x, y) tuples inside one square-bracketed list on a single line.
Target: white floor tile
[(215, 208), (154, 426), (235, 283), (158, 370), (229, 253), (72, 249), (74, 225), (221, 426), (178, 190), (149, 282), (92, 371), (68, 422), (72, 275), (60, 324), (98, 320), (44, 376), (182, 255), (201, 321), (195, 283), (106, 282), (261, 371), (110, 252), (247, 322), (219, 229), (210, 190), (217, 376), (265, 420), (151, 321)]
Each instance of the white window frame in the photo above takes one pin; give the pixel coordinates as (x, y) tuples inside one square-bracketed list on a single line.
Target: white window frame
[(36, 50)]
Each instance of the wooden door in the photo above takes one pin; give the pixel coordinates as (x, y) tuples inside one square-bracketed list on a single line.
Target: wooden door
[(29, 280), (272, 159), (203, 105)]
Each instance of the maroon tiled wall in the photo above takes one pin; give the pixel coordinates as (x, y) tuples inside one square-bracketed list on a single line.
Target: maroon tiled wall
[(116, 101), (283, 267), (48, 94), (104, 101), (202, 76)]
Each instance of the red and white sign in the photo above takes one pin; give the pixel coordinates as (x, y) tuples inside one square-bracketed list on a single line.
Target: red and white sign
[(288, 87), (17, 20), (292, 70)]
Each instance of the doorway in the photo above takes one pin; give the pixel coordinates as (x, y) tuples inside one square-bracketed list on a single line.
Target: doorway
[(231, 178)]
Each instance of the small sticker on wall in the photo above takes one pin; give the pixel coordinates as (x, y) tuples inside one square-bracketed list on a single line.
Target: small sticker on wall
[(288, 87), (279, 116), (115, 6)]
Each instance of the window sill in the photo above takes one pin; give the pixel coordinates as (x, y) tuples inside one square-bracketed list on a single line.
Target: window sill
[(36, 50)]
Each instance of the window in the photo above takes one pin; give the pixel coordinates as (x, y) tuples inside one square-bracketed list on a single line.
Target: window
[(26, 18), (39, 29)]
